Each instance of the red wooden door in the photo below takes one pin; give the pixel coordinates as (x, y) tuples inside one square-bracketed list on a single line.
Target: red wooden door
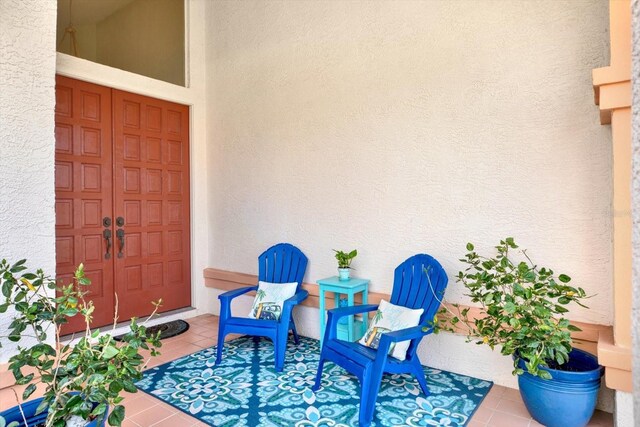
[(151, 197), (122, 158), (83, 182)]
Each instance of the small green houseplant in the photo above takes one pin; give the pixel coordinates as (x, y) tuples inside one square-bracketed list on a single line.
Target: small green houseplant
[(344, 262), (522, 309), (81, 380)]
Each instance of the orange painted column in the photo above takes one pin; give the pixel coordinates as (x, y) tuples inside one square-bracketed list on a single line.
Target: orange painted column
[(612, 86)]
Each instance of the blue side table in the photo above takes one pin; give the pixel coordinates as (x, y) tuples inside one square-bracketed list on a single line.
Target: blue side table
[(353, 329)]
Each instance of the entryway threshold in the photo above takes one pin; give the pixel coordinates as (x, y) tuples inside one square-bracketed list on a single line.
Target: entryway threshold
[(123, 327)]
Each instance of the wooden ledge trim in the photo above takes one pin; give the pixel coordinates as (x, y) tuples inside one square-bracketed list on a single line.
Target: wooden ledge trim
[(614, 355), (229, 280), (612, 96), (615, 95), (610, 74), (594, 338)]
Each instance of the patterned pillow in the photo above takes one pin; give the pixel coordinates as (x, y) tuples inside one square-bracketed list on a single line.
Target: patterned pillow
[(269, 299), (390, 318)]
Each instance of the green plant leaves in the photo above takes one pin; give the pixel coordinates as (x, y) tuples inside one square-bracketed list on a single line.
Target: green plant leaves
[(94, 366), (109, 352), (345, 258), (116, 416), (521, 307), (564, 278), (510, 307), (28, 391)]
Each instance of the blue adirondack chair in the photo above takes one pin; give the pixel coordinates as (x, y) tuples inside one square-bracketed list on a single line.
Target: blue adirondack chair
[(410, 289), (281, 263)]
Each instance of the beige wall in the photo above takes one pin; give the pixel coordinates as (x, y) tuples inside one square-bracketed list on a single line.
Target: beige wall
[(143, 38), (405, 127), (27, 99)]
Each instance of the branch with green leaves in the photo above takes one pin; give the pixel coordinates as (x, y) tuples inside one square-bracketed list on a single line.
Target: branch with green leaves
[(522, 308), (80, 379)]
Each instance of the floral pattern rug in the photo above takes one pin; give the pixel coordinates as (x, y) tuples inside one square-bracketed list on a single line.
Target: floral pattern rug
[(245, 390)]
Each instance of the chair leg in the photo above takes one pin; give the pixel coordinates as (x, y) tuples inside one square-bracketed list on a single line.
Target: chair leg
[(370, 386), (280, 347), (316, 385), (418, 372), (220, 343), (292, 326)]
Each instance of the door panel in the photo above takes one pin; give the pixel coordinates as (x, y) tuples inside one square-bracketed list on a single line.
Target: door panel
[(151, 195), (83, 181)]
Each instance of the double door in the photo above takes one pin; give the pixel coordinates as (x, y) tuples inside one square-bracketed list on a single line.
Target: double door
[(122, 199)]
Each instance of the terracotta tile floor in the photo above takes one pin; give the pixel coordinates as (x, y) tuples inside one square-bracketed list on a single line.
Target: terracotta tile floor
[(503, 407)]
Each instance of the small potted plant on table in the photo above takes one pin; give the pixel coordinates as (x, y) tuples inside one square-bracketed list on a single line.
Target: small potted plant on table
[(82, 382), (522, 312), (344, 263)]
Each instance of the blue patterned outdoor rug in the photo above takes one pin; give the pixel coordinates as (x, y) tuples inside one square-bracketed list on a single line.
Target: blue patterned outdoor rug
[(245, 390)]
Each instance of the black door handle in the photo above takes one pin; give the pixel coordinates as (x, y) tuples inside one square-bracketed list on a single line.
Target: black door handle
[(107, 236), (120, 235)]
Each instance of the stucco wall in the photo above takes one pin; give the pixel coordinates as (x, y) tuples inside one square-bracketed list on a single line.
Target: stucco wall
[(635, 200), (405, 127), (27, 79)]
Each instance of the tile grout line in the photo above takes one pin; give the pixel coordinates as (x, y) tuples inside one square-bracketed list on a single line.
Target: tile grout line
[(163, 419)]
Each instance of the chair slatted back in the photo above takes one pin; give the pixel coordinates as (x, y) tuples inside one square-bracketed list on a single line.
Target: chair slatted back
[(412, 288), (282, 263)]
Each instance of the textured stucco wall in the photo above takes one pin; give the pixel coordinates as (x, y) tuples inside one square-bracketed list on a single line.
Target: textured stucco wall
[(405, 127), (27, 100), (635, 200)]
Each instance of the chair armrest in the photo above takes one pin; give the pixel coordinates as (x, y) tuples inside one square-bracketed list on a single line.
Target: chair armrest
[(237, 292), (287, 308), (407, 334), (300, 296), (225, 300), (351, 310), (336, 313), (388, 338)]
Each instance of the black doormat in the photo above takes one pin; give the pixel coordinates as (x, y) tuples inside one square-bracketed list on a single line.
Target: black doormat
[(167, 330)]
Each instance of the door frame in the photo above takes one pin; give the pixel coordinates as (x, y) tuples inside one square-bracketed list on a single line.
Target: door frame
[(194, 96)]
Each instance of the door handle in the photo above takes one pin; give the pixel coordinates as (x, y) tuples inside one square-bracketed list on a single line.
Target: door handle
[(107, 236), (120, 235)]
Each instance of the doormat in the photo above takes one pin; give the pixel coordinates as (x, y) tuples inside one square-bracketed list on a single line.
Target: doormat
[(245, 390), (167, 330)]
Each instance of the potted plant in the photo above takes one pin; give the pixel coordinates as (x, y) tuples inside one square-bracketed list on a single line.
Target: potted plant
[(522, 308), (344, 263), (82, 382)]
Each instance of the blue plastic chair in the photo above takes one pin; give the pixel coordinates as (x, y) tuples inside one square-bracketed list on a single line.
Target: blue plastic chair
[(282, 263), (410, 289)]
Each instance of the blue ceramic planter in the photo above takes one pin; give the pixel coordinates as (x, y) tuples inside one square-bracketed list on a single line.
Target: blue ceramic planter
[(29, 409), (569, 398)]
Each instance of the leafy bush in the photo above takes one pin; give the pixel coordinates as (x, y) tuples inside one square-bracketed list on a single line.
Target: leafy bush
[(96, 367), (522, 308)]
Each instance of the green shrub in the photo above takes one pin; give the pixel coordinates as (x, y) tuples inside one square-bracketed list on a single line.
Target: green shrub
[(96, 367)]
